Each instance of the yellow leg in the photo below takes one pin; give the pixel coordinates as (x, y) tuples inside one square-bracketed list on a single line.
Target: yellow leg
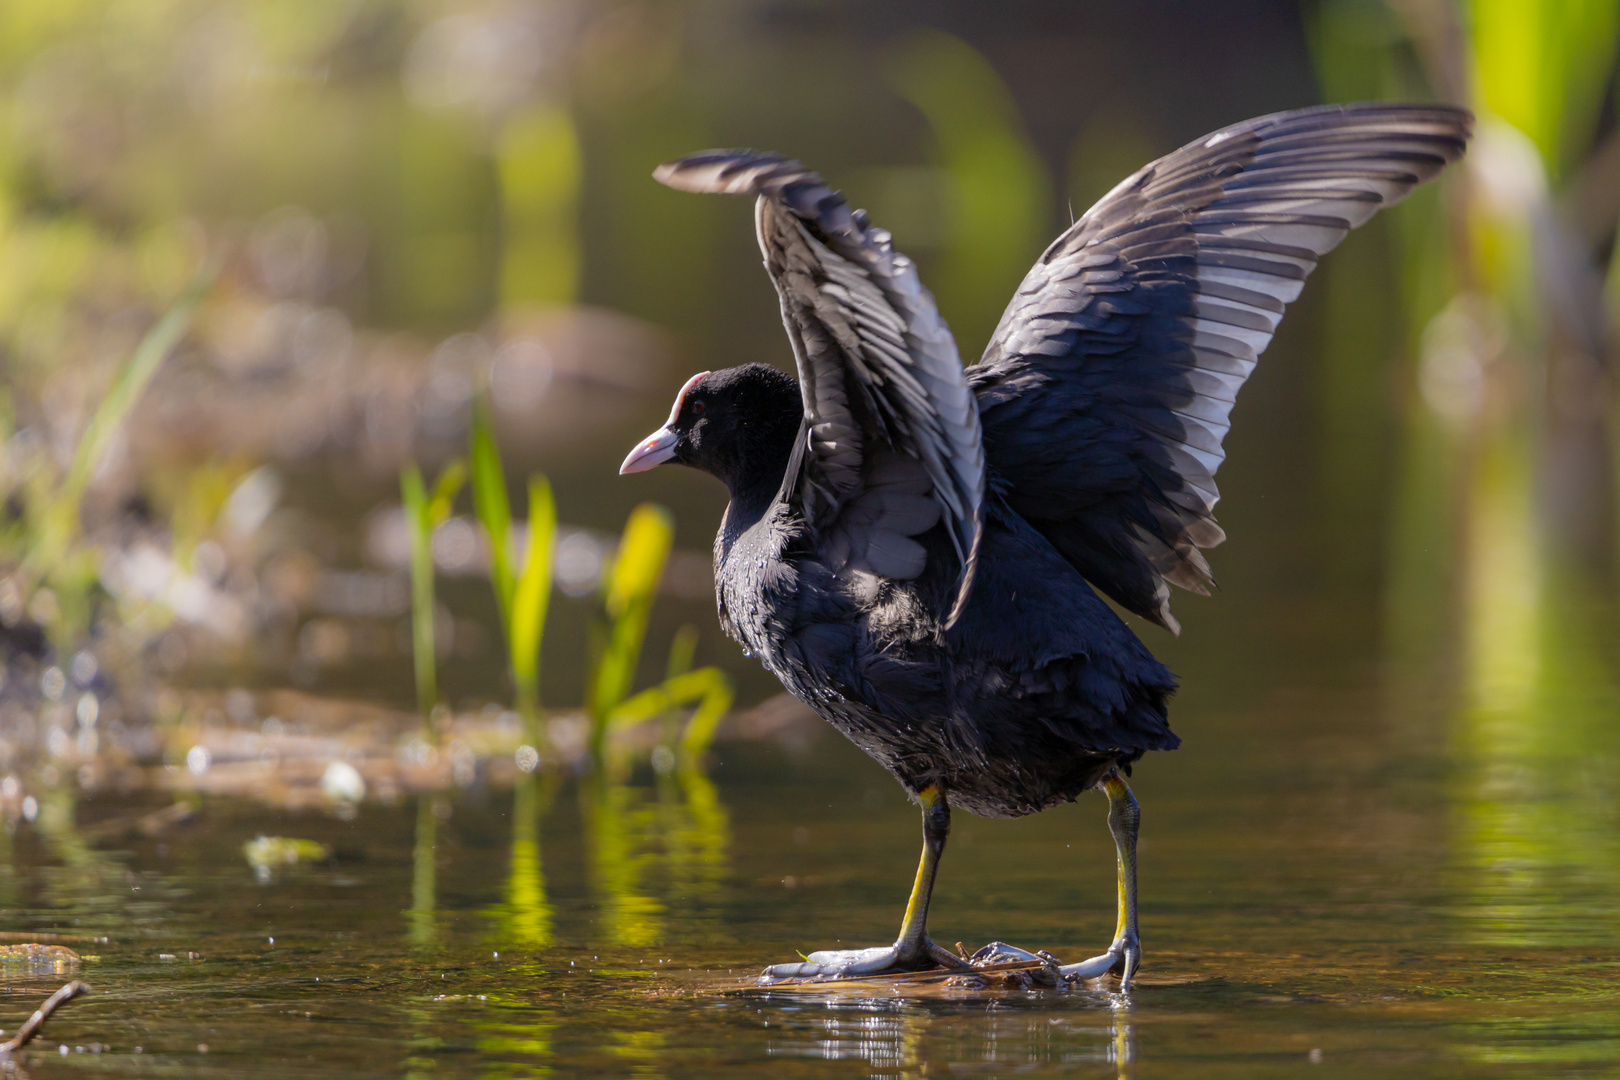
[(913, 938), (912, 949), (1124, 819), (1123, 1051), (1125, 954)]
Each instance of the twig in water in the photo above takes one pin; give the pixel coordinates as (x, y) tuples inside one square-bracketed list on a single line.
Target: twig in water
[(42, 1014), (34, 935), (929, 975)]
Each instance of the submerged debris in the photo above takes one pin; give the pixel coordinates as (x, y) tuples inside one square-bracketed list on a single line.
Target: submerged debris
[(266, 854), (295, 750), (57, 958), (997, 966), (1007, 967)]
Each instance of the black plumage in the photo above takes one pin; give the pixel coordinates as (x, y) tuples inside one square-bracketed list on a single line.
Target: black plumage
[(912, 547)]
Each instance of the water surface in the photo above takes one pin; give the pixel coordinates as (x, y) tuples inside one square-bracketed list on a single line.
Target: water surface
[(1316, 895)]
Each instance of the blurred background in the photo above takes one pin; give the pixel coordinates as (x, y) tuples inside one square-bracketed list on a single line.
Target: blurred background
[(404, 206), (257, 257)]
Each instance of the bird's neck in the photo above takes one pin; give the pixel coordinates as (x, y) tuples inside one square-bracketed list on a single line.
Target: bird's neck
[(754, 478), (754, 489)]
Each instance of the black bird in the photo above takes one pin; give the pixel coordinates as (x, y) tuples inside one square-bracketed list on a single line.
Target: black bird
[(912, 547)]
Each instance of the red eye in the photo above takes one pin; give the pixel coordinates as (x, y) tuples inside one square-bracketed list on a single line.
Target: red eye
[(697, 408)]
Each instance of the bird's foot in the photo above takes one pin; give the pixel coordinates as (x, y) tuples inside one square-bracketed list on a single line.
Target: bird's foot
[(849, 963), (1123, 957)]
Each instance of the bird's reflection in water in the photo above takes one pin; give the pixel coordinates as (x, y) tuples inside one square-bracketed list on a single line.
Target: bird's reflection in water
[(1122, 1052), (905, 1039)]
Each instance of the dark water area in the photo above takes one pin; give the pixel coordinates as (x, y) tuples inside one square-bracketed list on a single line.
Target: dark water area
[(1320, 893)]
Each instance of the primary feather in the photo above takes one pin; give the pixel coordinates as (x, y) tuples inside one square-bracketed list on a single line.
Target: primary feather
[(1107, 389)]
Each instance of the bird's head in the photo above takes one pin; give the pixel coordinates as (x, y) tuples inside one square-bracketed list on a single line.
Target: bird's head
[(737, 424)]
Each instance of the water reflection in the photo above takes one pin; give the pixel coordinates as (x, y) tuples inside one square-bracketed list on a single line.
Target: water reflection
[(1537, 751), (620, 829), (508, 968), (527, 1041), (423, 913), (526, 920), (905, 1040), (675, 838), (85, 875), (1122, 1049), (422, 1042), (697, 835)]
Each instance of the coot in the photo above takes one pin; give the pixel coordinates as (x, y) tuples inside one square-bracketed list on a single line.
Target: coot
[(916, 549)]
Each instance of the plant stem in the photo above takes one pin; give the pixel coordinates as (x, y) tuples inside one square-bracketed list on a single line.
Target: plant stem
[(423, 643)]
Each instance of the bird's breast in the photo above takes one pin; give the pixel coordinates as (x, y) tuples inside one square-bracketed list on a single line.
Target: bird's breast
[(757, 589)]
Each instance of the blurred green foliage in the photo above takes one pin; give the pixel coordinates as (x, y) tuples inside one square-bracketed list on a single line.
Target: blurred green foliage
[(423, 514), (1544, 68), (524, 596), (541, 170), (532, 592), (421, 168), (707, 687), (628, 591), (494, 512), (1490, 594), (47, 537), (998, 199)]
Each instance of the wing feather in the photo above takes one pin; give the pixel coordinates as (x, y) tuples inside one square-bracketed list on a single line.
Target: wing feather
[(1108, 386), (882, 383)]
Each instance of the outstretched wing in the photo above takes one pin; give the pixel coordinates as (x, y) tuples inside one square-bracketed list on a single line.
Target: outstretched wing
[(1108, 386), (892, 437)]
